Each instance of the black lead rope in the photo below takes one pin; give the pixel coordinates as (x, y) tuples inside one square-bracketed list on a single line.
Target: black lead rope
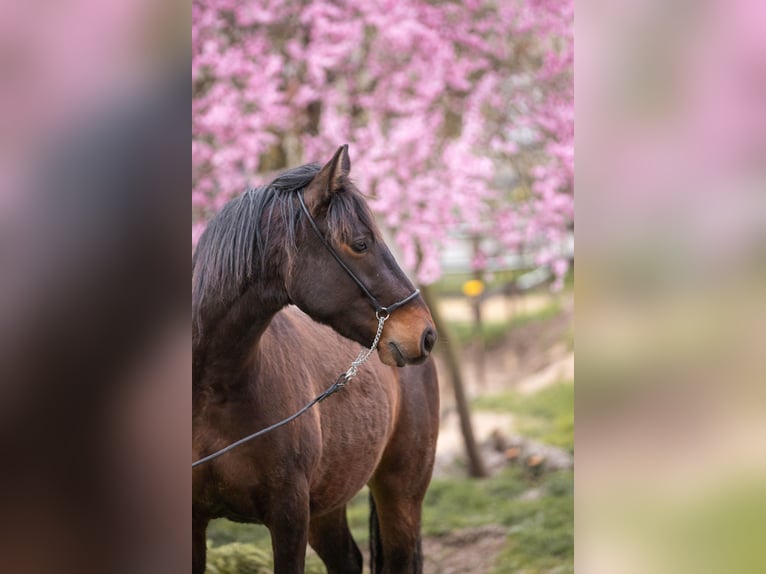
[(382, 313), (339, 383)]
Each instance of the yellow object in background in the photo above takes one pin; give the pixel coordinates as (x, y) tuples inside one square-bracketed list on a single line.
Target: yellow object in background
[(473, 288)]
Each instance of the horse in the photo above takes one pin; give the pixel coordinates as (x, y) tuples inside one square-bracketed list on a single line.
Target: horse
[(282, 283)]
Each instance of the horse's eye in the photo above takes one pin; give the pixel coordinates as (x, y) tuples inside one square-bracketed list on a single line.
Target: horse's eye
[(359, 246)]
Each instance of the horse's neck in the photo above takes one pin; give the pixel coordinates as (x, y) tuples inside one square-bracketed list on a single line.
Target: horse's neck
[(223, 354)]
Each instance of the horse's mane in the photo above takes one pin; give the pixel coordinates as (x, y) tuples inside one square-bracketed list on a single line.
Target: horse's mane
[(235, 248)]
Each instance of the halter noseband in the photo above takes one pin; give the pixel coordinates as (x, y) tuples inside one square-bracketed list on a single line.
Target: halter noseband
[(380, 310)]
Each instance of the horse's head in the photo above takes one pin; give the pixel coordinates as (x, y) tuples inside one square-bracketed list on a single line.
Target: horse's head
[(318, 284)]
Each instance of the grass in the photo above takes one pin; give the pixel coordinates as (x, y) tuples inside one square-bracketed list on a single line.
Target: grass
[(453, 504), (541, 537), (541, 530), (223, 531), (247, 558)]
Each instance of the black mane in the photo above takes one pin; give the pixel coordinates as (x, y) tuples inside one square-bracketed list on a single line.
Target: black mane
[(235, 248)]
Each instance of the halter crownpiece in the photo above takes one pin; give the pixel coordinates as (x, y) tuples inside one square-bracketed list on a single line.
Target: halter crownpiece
[(381, 311)]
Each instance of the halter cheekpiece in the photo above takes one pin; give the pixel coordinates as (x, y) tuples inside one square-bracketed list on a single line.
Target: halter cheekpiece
[(380, 310)]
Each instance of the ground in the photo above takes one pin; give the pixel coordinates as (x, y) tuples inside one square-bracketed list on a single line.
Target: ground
[(521, 518), (467, 550)]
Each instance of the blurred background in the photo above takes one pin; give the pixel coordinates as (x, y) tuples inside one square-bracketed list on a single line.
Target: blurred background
[(671, 163), (94, 341), (460, 121), (671, 153)]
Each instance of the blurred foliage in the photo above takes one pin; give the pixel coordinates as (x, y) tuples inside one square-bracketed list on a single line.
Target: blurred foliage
[(704, 530), (724, 534), (492, 332), (451, 284)]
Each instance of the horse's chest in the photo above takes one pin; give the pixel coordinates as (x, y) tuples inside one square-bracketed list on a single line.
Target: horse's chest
[(355, 431)]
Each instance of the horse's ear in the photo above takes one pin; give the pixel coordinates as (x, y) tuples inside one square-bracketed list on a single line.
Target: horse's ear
[(329, 180)]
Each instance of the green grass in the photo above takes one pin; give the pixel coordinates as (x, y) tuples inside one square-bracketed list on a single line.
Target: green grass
[(452, 504), (716, 526), (235, 548), (541, 537), (547, 415), (540, 531), (224, 531)]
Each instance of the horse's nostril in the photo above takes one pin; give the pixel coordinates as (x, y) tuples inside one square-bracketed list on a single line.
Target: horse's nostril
[(429, 339)]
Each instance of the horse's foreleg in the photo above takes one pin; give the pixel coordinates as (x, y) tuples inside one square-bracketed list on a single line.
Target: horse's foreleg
[(398, 525), (401, 479), (199, 545), (330, 536), (289, 526)]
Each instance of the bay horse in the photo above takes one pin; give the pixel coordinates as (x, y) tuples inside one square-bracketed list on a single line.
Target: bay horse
[(278, 310)]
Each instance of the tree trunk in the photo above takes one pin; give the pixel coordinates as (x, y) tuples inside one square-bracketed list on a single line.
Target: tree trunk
[(478, 319), (449, 347)]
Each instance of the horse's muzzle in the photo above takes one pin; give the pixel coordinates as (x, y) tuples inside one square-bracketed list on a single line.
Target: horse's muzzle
[(407, 339)]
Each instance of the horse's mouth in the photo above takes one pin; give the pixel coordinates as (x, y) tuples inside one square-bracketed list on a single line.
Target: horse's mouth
[(397, 355)]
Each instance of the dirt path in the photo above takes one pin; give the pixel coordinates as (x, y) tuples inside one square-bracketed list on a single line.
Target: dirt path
[(465, 551), (468, 551), (495, 308)]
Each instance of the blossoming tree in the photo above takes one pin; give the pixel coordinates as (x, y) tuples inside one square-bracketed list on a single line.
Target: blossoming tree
[(435, 98)]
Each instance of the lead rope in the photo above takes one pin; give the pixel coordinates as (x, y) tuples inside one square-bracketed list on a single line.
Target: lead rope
[(339, 383)]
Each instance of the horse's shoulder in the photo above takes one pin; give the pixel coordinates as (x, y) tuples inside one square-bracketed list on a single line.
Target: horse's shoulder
[(293, 319), (293, 325)]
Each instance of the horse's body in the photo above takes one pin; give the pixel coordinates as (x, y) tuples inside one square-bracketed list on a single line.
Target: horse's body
[(314, 467), (256, 363)]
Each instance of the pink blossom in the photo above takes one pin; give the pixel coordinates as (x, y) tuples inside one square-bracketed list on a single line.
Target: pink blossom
[(434, 98)]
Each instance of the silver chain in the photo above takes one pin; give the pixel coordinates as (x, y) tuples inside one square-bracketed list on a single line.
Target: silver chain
[(365, 353)]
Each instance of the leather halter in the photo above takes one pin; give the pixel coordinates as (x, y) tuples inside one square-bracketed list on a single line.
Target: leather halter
[(380, 310)]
